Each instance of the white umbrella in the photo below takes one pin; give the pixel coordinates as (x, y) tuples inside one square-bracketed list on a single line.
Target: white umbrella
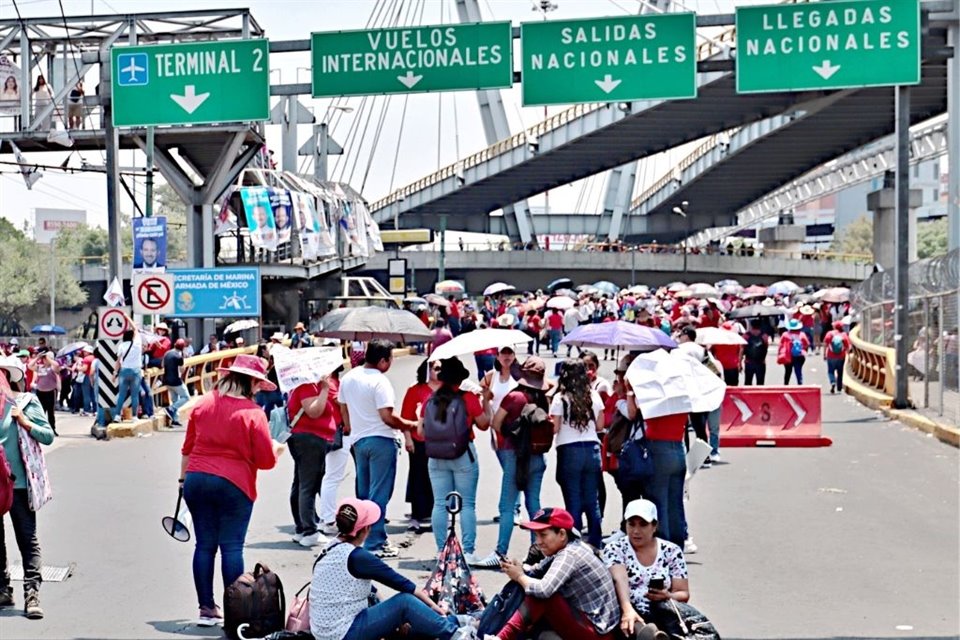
[(710, 336), (498, 287), (673, 287), (560, 302), (703, 290), (479, 340), (241, 325)]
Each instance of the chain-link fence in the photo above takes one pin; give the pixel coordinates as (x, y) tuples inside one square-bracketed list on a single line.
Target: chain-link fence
[(931, 333)]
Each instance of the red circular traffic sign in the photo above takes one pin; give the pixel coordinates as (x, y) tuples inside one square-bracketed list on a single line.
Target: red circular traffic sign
[(154, 293)]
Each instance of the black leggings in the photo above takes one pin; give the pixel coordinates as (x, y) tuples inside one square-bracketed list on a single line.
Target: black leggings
[(48, 400)]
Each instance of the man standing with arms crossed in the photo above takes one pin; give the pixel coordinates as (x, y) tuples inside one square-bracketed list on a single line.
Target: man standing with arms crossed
[(366, 402)]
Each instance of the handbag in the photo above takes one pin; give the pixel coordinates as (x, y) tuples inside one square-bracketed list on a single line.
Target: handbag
[(635, 461), (39, 491), (682, 621), (337, 442), (299, 617)]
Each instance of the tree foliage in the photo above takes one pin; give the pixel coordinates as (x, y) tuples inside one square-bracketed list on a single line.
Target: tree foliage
[(856, 237), (931, 238), (25, 268)]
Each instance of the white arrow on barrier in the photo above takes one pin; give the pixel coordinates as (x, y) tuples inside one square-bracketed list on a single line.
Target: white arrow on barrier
[(190, 101), (825, 70), (745, 412), (797, 409), (608, 84), (409, 80)]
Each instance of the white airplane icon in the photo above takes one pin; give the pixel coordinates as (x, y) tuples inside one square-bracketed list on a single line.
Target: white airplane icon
[(132, 69)]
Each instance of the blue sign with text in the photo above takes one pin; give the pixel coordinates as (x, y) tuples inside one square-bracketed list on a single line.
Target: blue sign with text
[(216, 293)]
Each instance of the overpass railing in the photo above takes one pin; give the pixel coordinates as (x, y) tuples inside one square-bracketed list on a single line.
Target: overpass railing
[(201, 375), (931, 333)]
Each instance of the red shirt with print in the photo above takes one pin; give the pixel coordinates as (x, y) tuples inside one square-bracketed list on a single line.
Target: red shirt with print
[(324, 426), (413, 403)]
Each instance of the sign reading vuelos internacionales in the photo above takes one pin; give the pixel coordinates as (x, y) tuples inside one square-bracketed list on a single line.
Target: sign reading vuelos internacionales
[(828, 45), (190, 83), (609, 59), (412, 59)]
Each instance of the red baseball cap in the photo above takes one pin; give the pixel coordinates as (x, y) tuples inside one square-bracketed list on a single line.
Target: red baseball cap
[(549, 517)]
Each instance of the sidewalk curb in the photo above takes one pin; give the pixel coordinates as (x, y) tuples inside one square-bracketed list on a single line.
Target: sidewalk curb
[(867, 396), (943, 433)]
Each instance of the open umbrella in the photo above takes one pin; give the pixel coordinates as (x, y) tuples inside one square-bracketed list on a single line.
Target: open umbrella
[(368, 323), (498, 287), (560, 302), (479, 340), (727, 282), (757, 311), (241, 325), (570, 293), (451, 585), (437, 300), (782, 288), (754, 291), (559, 283), (673, 287), (415, 300), (619, 334), (48, 330), (605, 286), (710, 336), (448, 286), (71, 348), (703, 290), (833, 295)]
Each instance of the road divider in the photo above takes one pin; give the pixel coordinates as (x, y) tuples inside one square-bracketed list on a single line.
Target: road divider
[(780, 416)]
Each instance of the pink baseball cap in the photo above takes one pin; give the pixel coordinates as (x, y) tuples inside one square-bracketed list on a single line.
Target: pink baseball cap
[(368, 512)]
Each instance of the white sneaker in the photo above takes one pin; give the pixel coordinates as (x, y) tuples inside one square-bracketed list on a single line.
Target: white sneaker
[(689, 546), (714, 457), (490, 561), (329, 529), (312, 540), (297, 537)]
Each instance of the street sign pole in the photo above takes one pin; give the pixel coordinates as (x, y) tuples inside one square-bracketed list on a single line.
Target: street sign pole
[(901, 312)]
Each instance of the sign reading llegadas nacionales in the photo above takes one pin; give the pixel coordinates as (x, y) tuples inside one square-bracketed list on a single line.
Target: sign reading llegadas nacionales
[(609, 59), (828, 45), (412, 59)]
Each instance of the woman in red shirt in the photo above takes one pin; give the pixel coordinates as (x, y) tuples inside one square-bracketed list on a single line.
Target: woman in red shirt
[(419, 490), (227, 441)]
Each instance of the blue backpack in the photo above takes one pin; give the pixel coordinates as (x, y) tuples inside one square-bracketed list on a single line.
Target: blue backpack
[(796, 347)]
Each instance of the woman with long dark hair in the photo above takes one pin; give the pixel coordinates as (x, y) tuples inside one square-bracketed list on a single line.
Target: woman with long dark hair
[(577, 414), (419, 490)]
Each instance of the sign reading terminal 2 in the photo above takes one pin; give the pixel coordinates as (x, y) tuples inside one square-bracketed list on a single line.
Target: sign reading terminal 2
[(412, 59), (828, 45)]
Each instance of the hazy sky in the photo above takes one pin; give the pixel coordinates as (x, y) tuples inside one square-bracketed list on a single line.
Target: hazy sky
[(436, 130)]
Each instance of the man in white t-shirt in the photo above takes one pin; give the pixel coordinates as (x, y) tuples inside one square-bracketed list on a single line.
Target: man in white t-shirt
[(367, 400), (131, 368)]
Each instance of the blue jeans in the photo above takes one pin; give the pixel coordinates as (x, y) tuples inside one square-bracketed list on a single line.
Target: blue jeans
[(221, 513), (129, 388), (460, 475), (180, 398), (555, 335), (835, 372), (376, 461), (578, 474), (484, 363), (89, 395), (713, 424), (147, 398), (382, 620), (510, 492), (666, 489), (269, 400)]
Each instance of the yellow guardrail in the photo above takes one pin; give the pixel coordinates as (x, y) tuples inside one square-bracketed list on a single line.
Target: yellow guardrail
[(201, 375), (871, 365)]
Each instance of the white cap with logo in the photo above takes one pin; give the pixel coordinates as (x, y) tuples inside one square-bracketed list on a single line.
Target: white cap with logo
[(643, 509)]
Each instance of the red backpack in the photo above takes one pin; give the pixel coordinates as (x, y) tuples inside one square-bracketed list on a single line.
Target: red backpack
[(6, 484)]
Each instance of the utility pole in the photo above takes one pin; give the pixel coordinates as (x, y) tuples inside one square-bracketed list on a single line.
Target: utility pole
[(901, 242)]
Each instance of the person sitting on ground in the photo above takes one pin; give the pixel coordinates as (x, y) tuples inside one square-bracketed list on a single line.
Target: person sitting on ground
[(575, 596), (645, 569), (342, 583)]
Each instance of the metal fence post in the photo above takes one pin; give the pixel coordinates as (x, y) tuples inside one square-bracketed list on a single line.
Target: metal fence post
[(926, 352), (940, 366)]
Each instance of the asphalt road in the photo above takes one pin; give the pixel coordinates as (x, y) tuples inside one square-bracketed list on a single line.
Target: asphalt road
[(857, 540)]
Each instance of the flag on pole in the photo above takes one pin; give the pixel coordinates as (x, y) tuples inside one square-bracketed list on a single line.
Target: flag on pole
[(114, 294), (30, 174)]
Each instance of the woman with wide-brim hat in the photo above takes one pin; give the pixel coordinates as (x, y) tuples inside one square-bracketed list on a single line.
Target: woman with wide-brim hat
[(227, 442)]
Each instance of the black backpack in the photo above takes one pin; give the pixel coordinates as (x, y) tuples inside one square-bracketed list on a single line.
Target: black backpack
[(254, 605), (756, 349), (447, 438)]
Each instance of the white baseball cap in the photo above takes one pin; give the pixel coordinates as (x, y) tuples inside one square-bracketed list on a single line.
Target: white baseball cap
[(643, 509)]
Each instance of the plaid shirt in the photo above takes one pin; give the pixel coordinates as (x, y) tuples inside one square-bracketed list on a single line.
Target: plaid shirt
[(577, 574)]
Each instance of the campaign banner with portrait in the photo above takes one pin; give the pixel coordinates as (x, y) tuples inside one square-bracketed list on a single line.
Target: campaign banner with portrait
[(282, 212), (316, 240), (297, 367), (260, 220), (150, 244), (10, 89)]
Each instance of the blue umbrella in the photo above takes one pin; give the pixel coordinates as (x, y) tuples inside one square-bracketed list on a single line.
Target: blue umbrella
[(605, 286), (782, 288), (619, 335), (48, 329)]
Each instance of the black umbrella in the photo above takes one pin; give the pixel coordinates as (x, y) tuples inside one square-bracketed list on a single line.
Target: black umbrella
[(757, 311), (368, 323)]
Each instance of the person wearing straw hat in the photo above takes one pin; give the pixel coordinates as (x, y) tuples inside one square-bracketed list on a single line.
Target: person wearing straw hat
[(160, 346), (227, 442), (807, 320), (21, 417), (300, 339)]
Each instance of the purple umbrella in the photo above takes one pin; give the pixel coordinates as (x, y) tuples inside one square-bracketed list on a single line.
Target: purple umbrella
[(619, 335)]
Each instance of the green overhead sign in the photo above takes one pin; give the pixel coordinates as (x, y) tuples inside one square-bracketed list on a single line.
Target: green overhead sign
[(828, 45), (609, 59), (412, 59), (190, 83)]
